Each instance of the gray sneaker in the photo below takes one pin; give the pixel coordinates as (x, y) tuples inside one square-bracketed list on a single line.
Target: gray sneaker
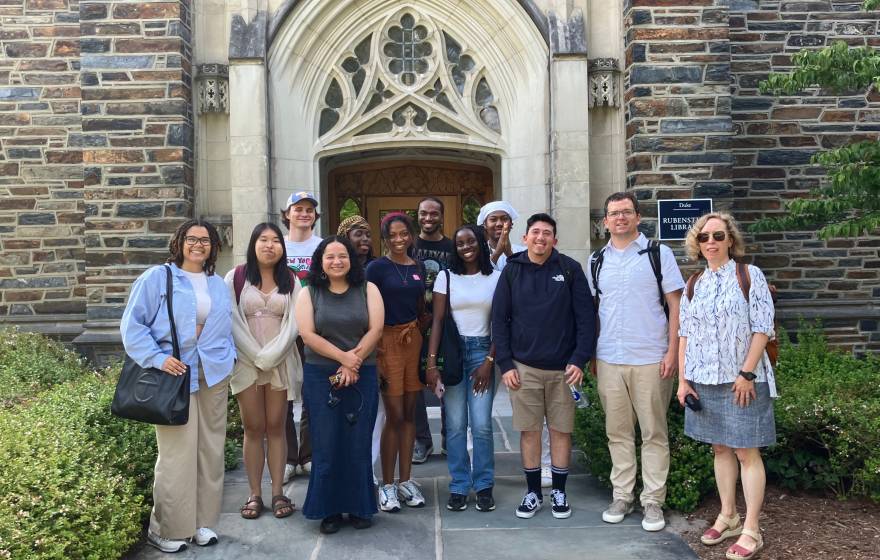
[(421, 453), (617, 511), (653, 517)]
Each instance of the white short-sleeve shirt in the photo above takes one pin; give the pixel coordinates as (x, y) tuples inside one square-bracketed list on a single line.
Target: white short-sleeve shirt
[(633, 327), (471, 300)]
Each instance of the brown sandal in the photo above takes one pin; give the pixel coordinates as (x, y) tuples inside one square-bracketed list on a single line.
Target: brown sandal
[(252, 508), (282, 506)]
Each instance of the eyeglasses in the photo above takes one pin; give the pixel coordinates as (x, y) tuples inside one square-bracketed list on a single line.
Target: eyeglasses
[(623, 213), (190, 240), (716, 235)]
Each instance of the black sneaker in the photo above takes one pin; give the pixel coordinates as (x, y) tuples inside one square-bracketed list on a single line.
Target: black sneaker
[(485, 501), (457, 502), (360, 522), (530, 505), (561, 509), (332, 524)]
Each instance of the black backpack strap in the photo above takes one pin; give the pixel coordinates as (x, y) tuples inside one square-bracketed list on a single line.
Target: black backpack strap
[(596, 261), (653, 251)]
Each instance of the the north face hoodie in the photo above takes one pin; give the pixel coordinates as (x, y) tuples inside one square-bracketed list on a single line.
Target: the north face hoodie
[(542, 317)]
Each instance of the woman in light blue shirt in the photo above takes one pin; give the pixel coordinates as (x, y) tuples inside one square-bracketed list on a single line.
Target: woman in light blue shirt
[(726, 321), (188, 485)]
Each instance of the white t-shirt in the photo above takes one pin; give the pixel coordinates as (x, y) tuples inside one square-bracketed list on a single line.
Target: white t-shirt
[(299, 255), (199, 281), (471, 300)]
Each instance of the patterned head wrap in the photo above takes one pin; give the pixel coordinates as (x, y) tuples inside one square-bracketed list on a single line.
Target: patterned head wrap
[(350, 223)]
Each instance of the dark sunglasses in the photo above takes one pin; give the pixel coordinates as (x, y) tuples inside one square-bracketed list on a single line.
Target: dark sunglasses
[(716, 235)]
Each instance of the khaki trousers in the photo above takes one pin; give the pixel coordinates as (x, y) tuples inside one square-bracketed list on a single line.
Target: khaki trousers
[(630, 393), (188, 486)]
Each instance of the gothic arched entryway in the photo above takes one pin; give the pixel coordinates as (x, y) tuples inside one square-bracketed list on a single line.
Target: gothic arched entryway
[(374, 189)]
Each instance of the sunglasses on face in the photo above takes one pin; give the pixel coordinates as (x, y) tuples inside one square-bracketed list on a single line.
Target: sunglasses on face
[(716, 235)]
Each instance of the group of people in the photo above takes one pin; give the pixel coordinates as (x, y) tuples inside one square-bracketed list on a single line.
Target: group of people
[(327, 323)]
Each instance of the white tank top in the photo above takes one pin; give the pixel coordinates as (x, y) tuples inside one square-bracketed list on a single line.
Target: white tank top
[(199, 281)]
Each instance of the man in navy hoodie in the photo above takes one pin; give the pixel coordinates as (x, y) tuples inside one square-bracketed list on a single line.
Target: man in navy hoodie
[(543, 327)]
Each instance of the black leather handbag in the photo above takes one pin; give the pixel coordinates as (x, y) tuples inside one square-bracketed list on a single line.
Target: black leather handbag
[(148, 394), (449, 354)]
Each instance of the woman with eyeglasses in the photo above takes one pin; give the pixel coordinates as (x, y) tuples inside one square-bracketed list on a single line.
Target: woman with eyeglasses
[(470, 287), (188, 484), (340, 317), (268, 371), (400, 279), (725, 377)]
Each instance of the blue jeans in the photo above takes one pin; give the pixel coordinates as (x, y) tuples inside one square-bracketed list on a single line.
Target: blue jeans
[(462, 405)]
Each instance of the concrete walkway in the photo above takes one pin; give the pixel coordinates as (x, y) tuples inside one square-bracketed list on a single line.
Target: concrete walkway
[(435, 533)]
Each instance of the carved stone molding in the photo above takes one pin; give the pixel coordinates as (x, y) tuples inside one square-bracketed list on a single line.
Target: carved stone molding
[(603, 82), (213, 88)]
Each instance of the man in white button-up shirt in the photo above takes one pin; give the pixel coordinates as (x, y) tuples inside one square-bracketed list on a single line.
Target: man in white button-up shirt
[(637, 355)]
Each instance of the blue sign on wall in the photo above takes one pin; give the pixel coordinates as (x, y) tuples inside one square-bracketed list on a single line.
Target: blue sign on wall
[(677, 216)]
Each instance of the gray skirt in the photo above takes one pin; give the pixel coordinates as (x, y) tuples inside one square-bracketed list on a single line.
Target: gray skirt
[(723, 422)]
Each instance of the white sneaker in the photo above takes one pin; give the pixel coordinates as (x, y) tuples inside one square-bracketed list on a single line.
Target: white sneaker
[(289, 473), (388, 498), (165, 545), (653, 519), (410, 493), (205, 537), (305, 468), (546, 477)]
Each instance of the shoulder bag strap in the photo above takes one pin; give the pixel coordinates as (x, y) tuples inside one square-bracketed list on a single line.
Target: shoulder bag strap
[(448, 292), (169, 291), (743, 278), (691, 283)]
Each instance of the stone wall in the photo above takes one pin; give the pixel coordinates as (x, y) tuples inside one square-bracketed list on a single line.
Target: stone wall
[(42, 269), (697, 127), (776, 136)]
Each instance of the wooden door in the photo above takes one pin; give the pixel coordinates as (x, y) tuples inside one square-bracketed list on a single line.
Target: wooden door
[(375, 189)]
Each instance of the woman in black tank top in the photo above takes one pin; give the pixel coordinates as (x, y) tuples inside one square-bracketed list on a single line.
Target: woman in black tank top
[(340, 319)]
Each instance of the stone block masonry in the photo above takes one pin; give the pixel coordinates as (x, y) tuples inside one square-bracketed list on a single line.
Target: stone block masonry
[(96, 161), (42, 214)]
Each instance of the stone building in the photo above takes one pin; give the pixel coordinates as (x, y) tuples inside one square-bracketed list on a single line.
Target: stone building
[(120, 119)]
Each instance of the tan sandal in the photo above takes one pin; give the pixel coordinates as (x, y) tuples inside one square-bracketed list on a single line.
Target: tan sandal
[(739, 552), (733, 529), (252, 508)]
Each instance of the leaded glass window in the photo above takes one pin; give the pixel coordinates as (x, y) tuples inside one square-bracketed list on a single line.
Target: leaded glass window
[(408, 50)]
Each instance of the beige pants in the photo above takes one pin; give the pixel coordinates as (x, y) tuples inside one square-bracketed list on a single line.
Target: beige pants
[(188, 486), (631, 393)]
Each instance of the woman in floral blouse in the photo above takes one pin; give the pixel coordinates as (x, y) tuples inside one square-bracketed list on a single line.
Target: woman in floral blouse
[(724, 366)]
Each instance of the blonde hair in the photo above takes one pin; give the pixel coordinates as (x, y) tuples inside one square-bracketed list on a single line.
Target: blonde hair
[(737, 249)]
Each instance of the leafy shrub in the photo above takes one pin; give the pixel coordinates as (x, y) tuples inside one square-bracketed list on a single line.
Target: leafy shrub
[(691, 474), (827, 419), (30, 363), (74, 478)]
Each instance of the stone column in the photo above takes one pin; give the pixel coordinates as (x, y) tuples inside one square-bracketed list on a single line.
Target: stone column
[(570, 133), (137, 150), (248, 129)]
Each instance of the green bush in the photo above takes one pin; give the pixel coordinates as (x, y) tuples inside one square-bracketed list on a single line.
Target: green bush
[(827, 419), (31, 363), (75, 479), (691, 474)]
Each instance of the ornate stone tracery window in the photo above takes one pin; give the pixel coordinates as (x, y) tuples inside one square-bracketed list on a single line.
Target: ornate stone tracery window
[(408, 76)]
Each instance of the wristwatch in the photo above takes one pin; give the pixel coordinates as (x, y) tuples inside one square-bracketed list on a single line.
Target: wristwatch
[(748, 375)]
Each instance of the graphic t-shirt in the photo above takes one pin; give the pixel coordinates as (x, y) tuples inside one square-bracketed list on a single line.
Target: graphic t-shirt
[(435, 255), (299, 255)]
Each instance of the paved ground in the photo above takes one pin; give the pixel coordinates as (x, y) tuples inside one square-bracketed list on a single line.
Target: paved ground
[(435, 533)]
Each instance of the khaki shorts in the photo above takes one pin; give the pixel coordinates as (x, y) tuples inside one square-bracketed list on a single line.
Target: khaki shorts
[(542, 393), (399, 352)]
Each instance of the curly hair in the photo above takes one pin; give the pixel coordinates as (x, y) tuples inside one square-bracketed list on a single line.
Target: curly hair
[(175, 246), (737, 249), (316, 276), (456, 264), (385, 229)]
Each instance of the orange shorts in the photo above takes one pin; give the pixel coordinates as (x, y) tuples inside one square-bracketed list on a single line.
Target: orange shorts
[(399, 352)]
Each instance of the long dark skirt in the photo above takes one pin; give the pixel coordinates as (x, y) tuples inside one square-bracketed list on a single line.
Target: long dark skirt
[(341, 480)]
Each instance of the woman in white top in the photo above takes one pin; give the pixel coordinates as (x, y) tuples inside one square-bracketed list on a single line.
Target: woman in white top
[(724, 366), (268, 371), (470, 285)]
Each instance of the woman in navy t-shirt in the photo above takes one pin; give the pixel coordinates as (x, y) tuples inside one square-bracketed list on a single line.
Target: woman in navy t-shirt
[(400, 279)]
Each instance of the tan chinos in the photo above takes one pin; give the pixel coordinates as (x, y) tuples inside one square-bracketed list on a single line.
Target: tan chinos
[(188, 486), (630, 393)]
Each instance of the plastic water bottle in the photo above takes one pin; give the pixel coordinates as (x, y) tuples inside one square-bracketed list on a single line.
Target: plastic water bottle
[(580, 400)]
